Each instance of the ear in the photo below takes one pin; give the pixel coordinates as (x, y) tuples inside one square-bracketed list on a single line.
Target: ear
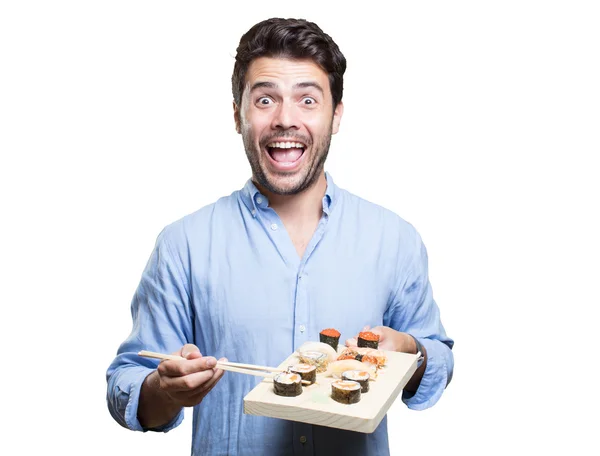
[(236, 118), (337, 118)]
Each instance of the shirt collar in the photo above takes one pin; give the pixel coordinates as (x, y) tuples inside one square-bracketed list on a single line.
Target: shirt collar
[(331, 195), (254, 200)]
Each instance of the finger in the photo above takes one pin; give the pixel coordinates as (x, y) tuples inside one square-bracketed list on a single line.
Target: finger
[(224, 360), (366, 328), (352, 342), (190, 351), (378, 330), (218, 371), (194, 397), (186, 383), (191, 398), (206, 387), (176, 368)]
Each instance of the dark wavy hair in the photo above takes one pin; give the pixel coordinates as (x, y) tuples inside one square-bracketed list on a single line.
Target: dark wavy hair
[(289, 38)]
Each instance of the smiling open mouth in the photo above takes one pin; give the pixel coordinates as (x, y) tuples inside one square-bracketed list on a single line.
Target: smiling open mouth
[(285, 152)]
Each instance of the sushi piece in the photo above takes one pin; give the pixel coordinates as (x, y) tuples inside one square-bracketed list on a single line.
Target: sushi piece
[(319, 347), (368, 355), (368, 339), (330, 337), (349, 354), (307, 372), (345, 392), (314, 358), (362, 377), (287, 384), (372, 353), (337, 368)]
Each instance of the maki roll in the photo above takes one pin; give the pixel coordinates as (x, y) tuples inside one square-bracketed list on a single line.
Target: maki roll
[(307, 372), (330, 337), (361, 377), (288, 385), (345, 392), (368, 339)]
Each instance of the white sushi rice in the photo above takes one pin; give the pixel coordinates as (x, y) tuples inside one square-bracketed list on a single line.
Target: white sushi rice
[(346, 385), (287, 379)]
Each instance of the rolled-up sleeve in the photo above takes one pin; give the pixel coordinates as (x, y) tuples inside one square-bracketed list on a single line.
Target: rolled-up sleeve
[(161, 322), (414, 311)]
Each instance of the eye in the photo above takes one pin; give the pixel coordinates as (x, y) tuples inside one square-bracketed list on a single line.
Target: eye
[(308, 101), (265, 101)]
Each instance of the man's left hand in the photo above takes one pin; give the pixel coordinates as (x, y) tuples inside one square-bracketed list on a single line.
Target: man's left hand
[(389, 339)]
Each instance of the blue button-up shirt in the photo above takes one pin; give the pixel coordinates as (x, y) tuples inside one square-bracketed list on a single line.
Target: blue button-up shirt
[(228, 279)]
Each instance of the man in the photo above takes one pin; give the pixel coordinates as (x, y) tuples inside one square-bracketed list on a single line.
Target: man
[(256, 274)]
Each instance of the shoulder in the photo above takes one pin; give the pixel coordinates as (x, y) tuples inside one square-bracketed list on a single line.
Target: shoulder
[(199, 224), (382, 220)]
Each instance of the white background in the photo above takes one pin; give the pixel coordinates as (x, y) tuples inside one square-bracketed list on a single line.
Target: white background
[(478, 122)]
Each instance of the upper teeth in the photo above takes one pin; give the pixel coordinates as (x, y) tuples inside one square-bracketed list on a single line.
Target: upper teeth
[(286, 145)]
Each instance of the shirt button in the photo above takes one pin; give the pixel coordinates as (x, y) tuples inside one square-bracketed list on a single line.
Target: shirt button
[(253, 212), (302, 328), (259, 200), (274, 226), (302, 439)]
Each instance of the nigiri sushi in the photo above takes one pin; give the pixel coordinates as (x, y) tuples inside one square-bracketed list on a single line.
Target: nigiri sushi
[(368, 355)]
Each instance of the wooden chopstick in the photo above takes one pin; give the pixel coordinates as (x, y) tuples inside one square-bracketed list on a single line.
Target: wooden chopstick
[(150, 354), (251, 366), (257, 373), (250, 369), (239, 370), (220, 364)]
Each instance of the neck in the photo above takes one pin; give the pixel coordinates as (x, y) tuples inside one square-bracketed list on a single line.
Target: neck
[(304, 206)]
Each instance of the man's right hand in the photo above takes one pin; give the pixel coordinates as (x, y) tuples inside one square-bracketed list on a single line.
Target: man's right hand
[(176, 384), (187, 381)]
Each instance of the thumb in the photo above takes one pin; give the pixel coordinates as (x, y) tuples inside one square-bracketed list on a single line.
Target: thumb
[(190, 351), (378, 330)]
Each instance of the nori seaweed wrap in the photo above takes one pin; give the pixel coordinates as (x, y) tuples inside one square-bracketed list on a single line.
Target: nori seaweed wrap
[(345, 392), (362, 377), (288, 385), (307, 372), (368, 339), (330, 337)]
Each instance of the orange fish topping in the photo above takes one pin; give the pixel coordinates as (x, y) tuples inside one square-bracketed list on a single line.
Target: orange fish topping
[(368, 335)]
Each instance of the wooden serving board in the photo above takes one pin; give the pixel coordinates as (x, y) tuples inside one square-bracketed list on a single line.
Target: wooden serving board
[(315, 405)]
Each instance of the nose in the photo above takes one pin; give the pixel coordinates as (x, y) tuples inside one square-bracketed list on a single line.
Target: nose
[(285, 117)]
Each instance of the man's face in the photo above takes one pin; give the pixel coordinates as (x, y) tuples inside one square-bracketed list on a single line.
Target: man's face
[(286, 119)]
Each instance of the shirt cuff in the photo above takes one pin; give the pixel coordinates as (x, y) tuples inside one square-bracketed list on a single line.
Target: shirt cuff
[(128, 398), (435, 377)]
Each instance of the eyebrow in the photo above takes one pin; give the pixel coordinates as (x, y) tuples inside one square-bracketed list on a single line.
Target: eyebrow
[(304, 85), (300, 85), (263, 84)]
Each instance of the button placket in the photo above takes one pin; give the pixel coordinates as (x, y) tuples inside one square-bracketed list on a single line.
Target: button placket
[(301, 312), (303, 435)]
